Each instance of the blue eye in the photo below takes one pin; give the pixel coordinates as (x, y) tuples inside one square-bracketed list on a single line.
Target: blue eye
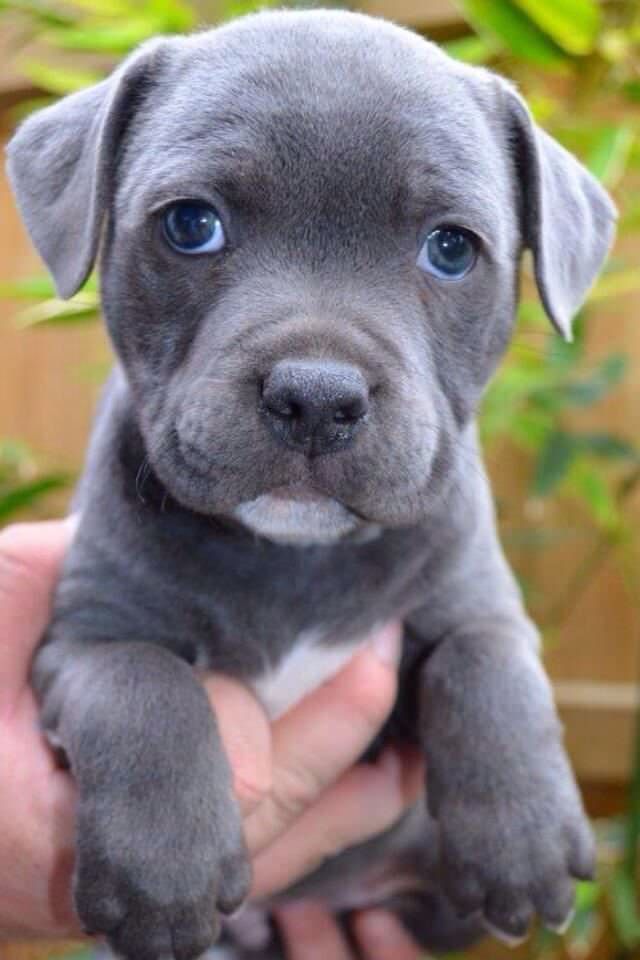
[(449, 252), (193, 227)]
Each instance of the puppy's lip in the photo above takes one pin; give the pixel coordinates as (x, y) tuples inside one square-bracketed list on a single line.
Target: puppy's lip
[(299, 493), (297, 515)]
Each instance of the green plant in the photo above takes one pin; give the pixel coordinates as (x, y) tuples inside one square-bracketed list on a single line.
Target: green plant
[(576, 61), (22, 485)]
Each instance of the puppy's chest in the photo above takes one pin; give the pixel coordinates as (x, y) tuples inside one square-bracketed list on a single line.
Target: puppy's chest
[(307, 665), (284, 622)]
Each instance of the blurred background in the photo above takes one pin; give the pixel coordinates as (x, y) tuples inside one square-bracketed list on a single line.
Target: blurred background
[(561, 423)]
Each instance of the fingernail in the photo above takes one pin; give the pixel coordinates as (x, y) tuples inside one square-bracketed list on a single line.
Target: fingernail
[(387, 644), (376, 922)]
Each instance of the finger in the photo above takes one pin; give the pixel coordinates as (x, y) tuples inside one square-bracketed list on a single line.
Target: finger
[(336, 821), (246, 735), (381, 936), (30, 559), (325, 734), (310, 933)]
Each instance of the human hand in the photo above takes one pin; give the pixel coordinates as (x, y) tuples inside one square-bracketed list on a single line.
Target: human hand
[(309, 932), (300, 795)]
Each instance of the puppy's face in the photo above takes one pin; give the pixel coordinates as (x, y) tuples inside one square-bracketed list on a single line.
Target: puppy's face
[(310, 264)]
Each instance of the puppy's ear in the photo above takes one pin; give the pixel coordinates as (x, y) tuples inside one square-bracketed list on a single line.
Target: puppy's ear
[(61, 165), (568, 218)]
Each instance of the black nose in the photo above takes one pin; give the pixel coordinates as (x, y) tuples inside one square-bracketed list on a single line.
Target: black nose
[(315, 406)]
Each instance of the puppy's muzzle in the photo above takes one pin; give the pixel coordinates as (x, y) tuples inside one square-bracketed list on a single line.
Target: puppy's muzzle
[(315, 406)]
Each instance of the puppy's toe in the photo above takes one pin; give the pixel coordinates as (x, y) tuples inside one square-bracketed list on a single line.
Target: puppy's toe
[(507, 914), (554, 902), (193, 932)]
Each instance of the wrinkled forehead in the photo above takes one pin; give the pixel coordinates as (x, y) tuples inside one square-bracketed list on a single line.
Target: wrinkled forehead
[(326, 117)]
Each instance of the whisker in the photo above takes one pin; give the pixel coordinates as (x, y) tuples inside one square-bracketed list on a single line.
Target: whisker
[(141, 478)]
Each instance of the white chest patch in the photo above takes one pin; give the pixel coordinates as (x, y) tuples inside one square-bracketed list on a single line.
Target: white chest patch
[(303, 669)]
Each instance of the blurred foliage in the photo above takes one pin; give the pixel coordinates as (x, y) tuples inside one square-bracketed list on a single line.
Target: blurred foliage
[(22, 484), (578, 64)]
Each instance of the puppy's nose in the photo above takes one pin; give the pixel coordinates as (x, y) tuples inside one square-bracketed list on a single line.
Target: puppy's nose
[(315, 406)]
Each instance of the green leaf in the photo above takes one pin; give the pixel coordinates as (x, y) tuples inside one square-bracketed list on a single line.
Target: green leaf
[(615, 283), (27, 494), (501, 20), (607, 158), (561, 356), (94, 372), (630, 219), (624, 908), (49, 15), (607, 445), (582, 393), (590, 486), (530, 427), (473, 49), (583, 934), (588, 893), (615, 44), (553, 462), (42, 287), (107, 8), (59, 80), (531, 313), (172, 16), (33, 288), (109, 38), (572, 24), (238, 8), (82, 307), (25, 107), (14, 454), (589, 390), (632, 825), (631, 90), (613, 368)]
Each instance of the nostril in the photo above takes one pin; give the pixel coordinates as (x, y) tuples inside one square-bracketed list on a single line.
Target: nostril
[(282, 408), (351, 412), (288, 411)]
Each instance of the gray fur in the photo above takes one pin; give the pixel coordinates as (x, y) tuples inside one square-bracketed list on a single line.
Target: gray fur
[(331, 143)]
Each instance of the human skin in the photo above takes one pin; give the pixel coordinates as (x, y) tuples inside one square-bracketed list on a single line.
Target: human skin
[(299, 786), (310, 933)]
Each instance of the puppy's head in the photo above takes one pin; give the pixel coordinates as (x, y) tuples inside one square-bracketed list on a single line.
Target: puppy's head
[(311, 225)]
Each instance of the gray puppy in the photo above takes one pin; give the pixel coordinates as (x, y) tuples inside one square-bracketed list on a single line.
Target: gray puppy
[(310, 227)]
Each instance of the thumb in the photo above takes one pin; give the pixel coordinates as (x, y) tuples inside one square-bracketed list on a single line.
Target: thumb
[(30, 559)]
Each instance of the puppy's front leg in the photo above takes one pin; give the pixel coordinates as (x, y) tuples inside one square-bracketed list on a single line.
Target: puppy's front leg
[(159, 839), (513, 831)]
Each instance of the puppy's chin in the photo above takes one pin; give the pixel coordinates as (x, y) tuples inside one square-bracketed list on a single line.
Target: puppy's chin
[(300, 518)]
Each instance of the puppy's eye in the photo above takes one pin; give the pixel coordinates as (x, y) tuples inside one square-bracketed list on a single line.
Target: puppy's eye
[(449, 252), (193, 227)]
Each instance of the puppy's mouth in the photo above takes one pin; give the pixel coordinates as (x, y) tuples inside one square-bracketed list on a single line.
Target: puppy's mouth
[(297, 515)]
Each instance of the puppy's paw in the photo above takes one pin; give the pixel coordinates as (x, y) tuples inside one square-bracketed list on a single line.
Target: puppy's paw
[(157, 890), (507, 861)]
